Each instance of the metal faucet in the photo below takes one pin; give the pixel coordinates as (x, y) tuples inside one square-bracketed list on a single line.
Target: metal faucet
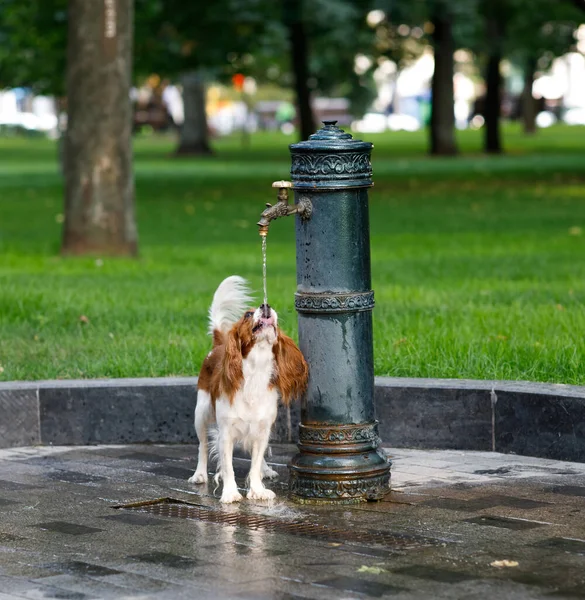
[(282, 208)]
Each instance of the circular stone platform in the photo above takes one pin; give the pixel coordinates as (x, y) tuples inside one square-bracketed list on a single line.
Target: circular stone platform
[(533, 419)]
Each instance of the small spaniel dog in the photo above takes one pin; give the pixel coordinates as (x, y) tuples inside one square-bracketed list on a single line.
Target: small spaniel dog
[(252, 362)]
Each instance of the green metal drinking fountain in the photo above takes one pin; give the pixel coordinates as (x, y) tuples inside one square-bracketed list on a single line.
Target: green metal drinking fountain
[(338, 459)]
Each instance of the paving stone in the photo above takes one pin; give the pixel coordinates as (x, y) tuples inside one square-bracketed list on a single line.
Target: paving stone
[(134, 519), (484, 502), (77, 586), (167, 559), (569, 490), (366, 551), (504, 522), (61, 594), (6, 502), (563, 545), (360, 586), (144, 457), (173, 471), (77, 567), (273, 596), (577, 591), (435, 574), (73, 477), (498, 471), (15, 486), (67, 528), (523, 503)]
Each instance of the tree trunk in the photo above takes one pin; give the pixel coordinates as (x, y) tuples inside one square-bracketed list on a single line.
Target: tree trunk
[(61, 107), (300, 64), (194, 137), (443, 98), (99, 184), (493, 77), (493, 101), (529, 108)]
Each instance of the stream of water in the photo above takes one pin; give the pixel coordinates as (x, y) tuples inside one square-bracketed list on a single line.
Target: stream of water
[(264, 268)]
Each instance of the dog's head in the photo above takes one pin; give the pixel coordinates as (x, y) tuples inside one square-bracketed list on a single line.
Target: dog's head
[(264, 321), (260, 326)]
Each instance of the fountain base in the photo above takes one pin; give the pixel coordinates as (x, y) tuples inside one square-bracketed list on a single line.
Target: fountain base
[(339, 464)]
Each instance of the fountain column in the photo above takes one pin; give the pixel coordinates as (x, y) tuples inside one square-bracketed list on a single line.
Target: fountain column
[(338, 459)]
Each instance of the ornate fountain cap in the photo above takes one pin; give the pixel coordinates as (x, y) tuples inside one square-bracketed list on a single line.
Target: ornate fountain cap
[(330, 132), (331, 159)]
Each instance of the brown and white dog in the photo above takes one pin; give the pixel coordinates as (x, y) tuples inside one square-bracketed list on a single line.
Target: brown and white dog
[(251, 364)]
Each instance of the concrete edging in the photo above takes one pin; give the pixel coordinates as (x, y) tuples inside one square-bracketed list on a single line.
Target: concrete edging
[(535, 419)]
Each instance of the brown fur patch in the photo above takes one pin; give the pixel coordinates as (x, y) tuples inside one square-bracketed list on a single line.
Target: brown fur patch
[(221, 372), (291, 371)]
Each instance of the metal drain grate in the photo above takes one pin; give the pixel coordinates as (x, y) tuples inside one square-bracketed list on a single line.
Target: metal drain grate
[(169, 507)]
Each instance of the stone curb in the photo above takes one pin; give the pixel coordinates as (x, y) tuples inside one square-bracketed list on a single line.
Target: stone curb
[(534, 419)]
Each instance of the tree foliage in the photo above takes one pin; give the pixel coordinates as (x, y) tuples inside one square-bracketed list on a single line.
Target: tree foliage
[(173, 36), (541, 29), (33, 42)]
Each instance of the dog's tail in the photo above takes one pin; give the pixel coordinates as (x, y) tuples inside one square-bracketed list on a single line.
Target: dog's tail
[(230, 300)]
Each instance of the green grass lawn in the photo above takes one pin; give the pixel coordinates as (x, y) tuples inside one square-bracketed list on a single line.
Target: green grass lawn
[(478, 262)]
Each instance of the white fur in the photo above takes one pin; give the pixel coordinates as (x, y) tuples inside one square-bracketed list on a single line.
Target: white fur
[(248, 419), (230, 300)]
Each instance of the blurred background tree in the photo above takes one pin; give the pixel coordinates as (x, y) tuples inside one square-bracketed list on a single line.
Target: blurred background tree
[(530, 34), (99, 178), (538, 32)]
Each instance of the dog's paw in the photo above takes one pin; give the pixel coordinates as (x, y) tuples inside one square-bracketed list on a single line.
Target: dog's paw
[(261, 494), (198, 477), (268, 473), (230, 495)]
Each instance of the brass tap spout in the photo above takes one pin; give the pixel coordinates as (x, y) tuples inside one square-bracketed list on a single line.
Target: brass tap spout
[(282, 208)]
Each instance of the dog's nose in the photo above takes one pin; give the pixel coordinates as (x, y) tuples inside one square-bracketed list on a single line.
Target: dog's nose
[(265, 309)]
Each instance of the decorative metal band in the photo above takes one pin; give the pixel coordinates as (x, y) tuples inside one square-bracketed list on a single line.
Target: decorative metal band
[(340, 434), (316, 170), (342, 163), (370, 488), (333, 303)]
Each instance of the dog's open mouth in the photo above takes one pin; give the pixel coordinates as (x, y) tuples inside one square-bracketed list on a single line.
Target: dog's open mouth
[(263, 322)]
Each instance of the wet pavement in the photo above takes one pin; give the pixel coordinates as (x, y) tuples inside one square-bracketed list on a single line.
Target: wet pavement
[(456, 525)]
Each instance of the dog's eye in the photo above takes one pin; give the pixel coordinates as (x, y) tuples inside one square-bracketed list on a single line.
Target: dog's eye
[(249, 314)]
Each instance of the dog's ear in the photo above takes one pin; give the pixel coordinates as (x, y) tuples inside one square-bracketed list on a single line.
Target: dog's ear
[(232, 374), (291, 373)]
